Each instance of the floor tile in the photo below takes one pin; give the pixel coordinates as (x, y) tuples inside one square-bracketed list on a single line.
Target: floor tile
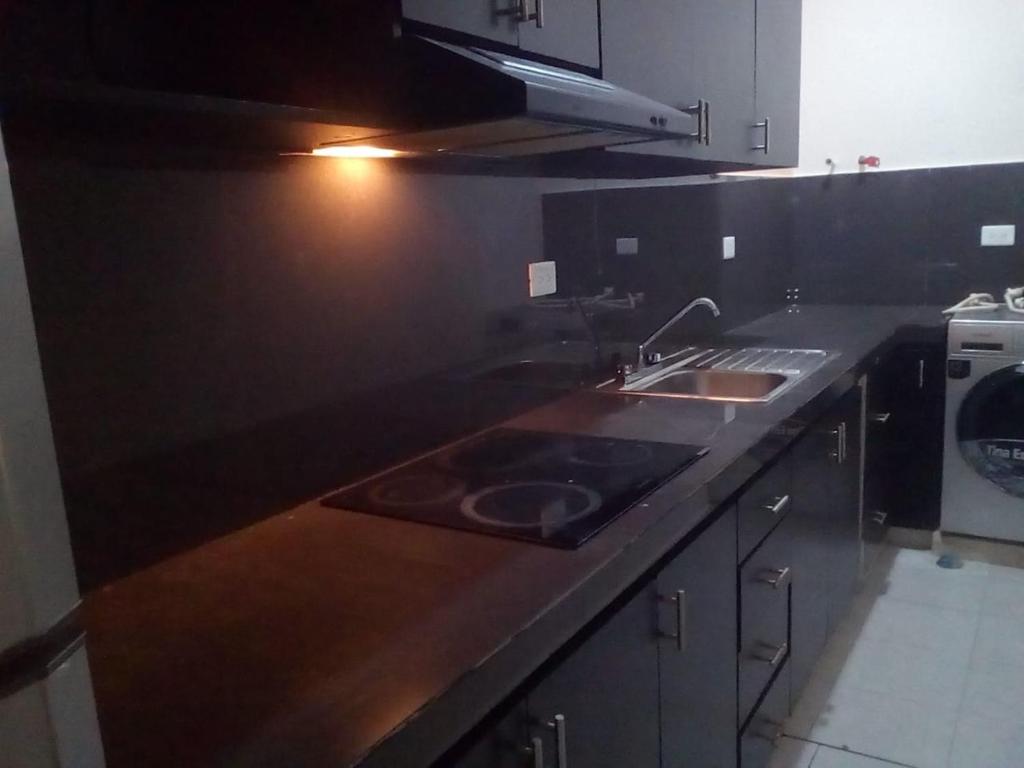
[(828, 757), (962, 588), (916, 625), (793, 753), (984, 743), (1000, 642), (1004, 595), (993, 690), (900, 730), (929, 559), (926, 675)]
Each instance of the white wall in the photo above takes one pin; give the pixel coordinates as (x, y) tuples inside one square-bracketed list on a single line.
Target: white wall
[(920, 83)]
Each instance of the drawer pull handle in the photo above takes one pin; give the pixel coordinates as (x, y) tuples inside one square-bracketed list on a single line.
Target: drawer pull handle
[(774, 656), (777, 577), (881, 418), (778, 505), (679, 599), (561, 742), (879, 517), (536, 751), (771, 732)]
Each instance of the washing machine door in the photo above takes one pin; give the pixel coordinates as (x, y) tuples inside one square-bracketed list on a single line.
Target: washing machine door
[(990, 429)]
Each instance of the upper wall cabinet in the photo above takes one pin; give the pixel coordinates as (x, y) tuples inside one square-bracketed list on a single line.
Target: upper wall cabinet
[(777, 89), (563, 30), (734, 62)]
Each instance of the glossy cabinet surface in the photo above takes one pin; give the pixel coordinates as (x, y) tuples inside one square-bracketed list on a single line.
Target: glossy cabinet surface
[(564, 30), (698, 680), (777, 88)]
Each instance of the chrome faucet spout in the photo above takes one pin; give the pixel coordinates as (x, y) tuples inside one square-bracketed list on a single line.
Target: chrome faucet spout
[(703, 301)]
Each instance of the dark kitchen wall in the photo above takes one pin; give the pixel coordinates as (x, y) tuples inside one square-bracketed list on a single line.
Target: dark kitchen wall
[(907, 237), (680, 231), (223, 337)]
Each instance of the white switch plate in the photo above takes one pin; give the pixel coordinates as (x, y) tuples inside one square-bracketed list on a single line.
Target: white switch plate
[(543, 279), (627, 246), (1004, 234), (729, 247)]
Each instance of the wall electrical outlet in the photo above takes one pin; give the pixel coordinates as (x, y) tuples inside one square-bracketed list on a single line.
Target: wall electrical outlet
[(543, 278), (627, 246), (1001, 235), (729, 247)]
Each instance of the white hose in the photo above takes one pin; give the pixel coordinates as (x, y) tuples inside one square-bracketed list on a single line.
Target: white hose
[(1013, 300)]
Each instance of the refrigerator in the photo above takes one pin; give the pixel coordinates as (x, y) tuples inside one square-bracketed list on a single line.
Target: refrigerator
[(47, 711)]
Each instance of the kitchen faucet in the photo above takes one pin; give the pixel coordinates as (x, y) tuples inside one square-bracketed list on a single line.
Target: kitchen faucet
[(643, 359)]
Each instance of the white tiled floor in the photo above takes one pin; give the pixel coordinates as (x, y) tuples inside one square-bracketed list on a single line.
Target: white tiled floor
[(927, 671)]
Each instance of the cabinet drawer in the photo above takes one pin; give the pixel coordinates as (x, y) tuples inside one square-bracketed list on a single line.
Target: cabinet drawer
[(765, 581), (758, 739), (764, 505)]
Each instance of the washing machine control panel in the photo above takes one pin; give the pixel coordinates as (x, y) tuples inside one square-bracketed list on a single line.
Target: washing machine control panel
[(985, 339)]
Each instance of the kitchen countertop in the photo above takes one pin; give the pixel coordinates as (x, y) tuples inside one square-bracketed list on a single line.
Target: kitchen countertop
[(327, 638)]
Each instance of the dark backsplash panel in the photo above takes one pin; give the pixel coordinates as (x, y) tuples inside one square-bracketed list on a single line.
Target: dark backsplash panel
[(904, 237)]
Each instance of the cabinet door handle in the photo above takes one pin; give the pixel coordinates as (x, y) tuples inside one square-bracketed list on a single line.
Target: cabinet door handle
[(698, 110), (838, 454), (920, 374), (536, 751), (880, 517), (774, 656), (778, 505), (679, 600), (772, 735), (707, 123), (777, 577), (766, 125), (561, 745), (538, 14), (881, 418), (842, 442), (517, 10)]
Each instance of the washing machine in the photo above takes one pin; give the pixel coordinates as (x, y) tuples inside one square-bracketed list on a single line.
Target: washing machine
[(983, 463)]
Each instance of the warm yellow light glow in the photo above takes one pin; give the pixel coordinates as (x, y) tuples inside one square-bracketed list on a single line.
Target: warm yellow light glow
[(355, 150)]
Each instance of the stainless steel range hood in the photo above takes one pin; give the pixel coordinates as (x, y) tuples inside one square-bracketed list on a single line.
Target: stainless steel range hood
[(538, 109)]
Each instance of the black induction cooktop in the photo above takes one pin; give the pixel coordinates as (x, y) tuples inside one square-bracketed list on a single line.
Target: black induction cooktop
[(548, 488)]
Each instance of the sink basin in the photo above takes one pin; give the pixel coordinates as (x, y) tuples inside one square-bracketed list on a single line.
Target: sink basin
[(745, 375), (733, 386)]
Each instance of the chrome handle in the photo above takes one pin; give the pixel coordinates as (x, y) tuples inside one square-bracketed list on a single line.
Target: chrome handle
[(707, 123), (920, 374), (777, 579), (699, 110), (880, 418), (773, 735), (536, 751), (517, 10), (538, 14), (780, 504), (767, 126), (679, 599), (561, 748), (842, 442), (837, 454), (880, 517), (777, 655)]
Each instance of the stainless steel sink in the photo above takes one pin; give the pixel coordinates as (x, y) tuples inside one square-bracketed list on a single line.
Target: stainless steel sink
[(715, 385), (748, 375)]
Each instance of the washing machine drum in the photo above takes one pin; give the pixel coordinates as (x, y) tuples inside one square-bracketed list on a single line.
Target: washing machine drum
[(990, 429)]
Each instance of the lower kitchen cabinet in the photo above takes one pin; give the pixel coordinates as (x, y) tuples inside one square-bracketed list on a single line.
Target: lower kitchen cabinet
[(844, 487), (599, 707), (698, 669), (762, 733)]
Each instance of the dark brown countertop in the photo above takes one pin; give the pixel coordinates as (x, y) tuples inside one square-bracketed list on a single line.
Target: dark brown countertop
[(327, 638)]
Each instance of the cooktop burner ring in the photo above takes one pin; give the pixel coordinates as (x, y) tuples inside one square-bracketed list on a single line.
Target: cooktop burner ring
[(616, 453), (470, 504), (498, 453), (440, 489)]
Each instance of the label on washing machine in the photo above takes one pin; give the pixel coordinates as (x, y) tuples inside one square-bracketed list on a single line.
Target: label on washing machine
[(997, 460)]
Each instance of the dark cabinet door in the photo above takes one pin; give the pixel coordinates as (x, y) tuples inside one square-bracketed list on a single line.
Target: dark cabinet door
[(809, 537), (912, 378), (499, 744), (680, 52), (758, 740), (603, 699), (777, 83), (563, 29), (488, 19), (698, 676), (879, 467), (845, 506)]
